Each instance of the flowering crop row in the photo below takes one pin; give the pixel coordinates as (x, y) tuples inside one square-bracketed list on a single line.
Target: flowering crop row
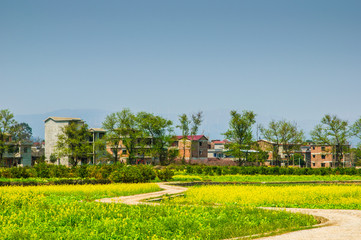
[(300, 196)]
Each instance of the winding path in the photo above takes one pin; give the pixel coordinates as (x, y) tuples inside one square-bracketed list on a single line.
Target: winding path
[(137, 199), (341, 224)]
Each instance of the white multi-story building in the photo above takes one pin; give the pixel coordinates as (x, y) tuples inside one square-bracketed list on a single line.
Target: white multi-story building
[(53, 128)]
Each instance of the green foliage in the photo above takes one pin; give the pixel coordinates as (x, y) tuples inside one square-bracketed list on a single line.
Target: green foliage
[(7, 123), (256, 170), (159, 132), (335, 132), (189, 126), (240, 134), (82, 171), (285, 134), (21, 132), (133, 174), (53, 158), (165, 174), (73, 143)]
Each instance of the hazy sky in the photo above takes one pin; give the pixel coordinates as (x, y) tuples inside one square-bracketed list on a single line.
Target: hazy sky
[(295, 59)]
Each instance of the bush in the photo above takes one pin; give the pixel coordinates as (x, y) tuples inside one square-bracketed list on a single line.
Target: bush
[(19, 172), (42, 170), (82, 171), (147, 172), (165, 174), (128, 174)]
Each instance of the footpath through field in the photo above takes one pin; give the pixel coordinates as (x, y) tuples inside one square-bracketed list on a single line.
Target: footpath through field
[(137, 199), (341, 225)]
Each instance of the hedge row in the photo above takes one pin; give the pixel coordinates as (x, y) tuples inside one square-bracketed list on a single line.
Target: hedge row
[(253, 170), (113, 173)]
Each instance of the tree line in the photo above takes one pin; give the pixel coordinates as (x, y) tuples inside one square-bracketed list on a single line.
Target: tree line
[(331, 130), (12, 133), (139, 135), (146, 134)]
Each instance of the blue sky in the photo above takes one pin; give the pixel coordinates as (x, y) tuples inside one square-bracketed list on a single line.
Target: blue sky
[(296, 60)]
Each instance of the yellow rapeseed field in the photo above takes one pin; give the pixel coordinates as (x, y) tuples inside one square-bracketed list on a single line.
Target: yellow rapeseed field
[(304, 196)]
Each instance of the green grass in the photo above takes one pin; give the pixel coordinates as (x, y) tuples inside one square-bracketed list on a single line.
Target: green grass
[(264, 178)]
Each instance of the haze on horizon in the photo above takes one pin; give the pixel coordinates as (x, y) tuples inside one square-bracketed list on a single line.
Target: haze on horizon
[(297, 60)]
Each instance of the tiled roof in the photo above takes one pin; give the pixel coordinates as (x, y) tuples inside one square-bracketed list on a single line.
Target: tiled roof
[(195, 137), (221, 142), (97, 130), (62, 119)]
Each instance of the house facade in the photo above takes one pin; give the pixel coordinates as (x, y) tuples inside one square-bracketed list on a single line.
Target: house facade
[(315, 155), (53, 128), (17, 154), (192, 147), (217, 149)]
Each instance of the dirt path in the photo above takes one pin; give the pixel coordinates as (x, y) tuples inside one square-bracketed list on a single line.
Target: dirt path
[(136, 199), (341, 224)]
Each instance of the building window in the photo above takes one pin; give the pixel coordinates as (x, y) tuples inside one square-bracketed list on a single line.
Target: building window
[(313, 148), (323, 148), (200, 144), (214, 154), (313, 156), (200, 152), (313, 164), (323, 164), (124, 152), (323, 156)]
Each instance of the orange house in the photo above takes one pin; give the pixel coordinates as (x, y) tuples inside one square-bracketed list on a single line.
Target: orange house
[(192, 148)]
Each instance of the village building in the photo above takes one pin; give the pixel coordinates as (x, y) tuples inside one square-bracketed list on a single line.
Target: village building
[(314, 155), (16, 154), (192, 147), (217, 149), (54, 127)]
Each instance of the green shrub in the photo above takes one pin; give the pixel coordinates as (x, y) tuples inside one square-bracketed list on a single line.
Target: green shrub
[(147, 173), (128, 174), (165, 174), (82, 171)]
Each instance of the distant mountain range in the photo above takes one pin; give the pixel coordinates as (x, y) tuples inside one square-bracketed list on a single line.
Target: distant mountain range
[(215, 122)]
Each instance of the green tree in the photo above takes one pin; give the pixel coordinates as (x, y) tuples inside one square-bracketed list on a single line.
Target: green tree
[(189, 126), (285, 134), (240, 134), (21, 132), (123, 128), (335, 132), (7, 123), (159, 131), (184, 127), (113, 135), (73, 143), (356, 132), (196, 122)]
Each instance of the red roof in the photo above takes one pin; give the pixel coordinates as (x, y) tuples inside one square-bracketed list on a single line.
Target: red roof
[(194, 138), (220, 142)]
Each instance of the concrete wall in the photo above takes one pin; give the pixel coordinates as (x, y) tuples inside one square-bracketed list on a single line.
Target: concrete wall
[(52, 130)]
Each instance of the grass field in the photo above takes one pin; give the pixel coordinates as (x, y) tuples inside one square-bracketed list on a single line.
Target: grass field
[(56, 212), (264, 178)]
